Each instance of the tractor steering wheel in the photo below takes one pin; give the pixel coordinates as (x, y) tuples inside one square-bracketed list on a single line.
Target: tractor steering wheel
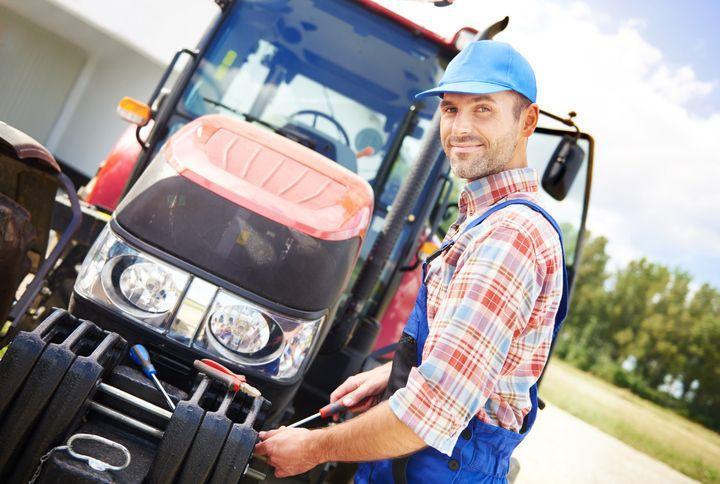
[(320, 114)]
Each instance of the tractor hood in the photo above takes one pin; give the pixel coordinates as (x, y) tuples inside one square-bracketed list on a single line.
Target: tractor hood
[(255, 208)]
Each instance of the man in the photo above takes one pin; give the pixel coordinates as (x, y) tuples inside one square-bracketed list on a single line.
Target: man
[(462, 386)]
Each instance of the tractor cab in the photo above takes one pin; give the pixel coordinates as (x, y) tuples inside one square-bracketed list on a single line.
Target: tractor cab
[(311, 71), (334, 76), (338, 97)]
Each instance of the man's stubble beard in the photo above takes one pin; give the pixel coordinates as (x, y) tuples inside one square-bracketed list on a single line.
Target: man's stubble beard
[(494, 160)]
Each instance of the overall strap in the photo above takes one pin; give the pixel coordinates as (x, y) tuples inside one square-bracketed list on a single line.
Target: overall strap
[(477, 221)]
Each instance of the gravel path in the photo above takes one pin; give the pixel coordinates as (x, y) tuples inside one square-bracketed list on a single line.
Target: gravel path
[(563, 449)]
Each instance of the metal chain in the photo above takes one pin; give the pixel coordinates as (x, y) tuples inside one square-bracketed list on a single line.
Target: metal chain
[(42, 461)]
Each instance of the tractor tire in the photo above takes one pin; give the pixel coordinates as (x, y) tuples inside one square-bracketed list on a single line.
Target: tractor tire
[(18, 236)]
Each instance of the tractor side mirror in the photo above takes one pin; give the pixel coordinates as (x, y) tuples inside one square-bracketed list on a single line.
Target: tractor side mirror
[(563, 167)]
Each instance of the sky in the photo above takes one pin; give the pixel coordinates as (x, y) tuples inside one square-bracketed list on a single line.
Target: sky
[(645, 82), (686, 33)]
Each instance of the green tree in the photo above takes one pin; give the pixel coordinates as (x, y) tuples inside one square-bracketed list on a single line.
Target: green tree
[(636, 290), (702, 364), (580, 341), (663, 335)]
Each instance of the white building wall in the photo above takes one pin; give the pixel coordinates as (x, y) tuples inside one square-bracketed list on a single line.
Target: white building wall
[(37, 71), (121, 49), (93, 128), (155, 28)]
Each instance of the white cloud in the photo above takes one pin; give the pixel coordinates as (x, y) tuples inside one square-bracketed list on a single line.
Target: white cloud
[(656, 188)]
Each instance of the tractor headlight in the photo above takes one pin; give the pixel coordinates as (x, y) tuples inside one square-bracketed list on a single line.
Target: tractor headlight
[(252, 335), (142, 287), (118, 276), (149, 287), (240, 329), (193, 311)]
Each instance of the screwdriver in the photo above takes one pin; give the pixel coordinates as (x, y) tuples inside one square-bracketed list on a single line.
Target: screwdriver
[(219, 372), (140, 355), (327, 411)]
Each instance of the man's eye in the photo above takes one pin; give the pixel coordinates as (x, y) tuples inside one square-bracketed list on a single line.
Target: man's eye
[(449, 109), (483, 109)]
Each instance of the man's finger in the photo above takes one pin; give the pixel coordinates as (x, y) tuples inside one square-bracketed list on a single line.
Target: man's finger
[(261, 448), (269, 433), (353, 401), (346, 387), (356, 396)]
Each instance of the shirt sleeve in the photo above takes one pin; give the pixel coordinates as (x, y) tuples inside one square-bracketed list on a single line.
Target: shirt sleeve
[(489, 299)]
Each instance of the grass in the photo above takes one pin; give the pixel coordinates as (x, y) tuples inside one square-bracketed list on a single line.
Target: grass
[(684, 445)]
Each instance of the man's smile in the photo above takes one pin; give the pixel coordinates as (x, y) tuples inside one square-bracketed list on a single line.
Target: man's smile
[(464, 148)]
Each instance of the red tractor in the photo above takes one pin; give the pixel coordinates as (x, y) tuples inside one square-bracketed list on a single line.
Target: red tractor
[(274, 204)]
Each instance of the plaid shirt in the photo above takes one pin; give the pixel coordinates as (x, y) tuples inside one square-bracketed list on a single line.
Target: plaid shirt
[(492, 300)]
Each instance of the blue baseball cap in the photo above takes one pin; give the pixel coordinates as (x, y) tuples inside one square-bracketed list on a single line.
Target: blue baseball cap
[(484, 67)]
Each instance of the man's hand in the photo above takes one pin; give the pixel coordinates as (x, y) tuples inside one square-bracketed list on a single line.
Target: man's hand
[(367, 384), (289, 451), (375, 435)]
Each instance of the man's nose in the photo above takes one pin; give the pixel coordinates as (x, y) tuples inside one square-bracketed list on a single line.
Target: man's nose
[(463, 123)]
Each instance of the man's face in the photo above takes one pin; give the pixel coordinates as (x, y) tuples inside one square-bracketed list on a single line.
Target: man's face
[(479, 132)]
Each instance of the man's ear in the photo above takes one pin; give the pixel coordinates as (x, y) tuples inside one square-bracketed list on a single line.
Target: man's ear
[(530, 120)]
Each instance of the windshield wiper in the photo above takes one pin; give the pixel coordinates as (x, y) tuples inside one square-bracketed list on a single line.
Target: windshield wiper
[(248, 117)]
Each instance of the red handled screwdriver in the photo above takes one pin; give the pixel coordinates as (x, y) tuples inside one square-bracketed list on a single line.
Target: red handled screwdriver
[(327, 411)]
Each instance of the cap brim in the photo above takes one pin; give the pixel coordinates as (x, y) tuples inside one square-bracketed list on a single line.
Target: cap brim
[(470, 87)]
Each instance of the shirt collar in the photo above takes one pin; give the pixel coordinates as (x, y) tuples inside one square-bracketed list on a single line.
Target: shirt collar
[(487, 191)]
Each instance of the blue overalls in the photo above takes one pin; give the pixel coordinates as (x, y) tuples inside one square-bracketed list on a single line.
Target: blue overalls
[(482, 453)]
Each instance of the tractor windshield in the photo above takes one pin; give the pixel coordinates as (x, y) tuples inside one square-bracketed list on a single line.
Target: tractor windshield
[(325, 73)]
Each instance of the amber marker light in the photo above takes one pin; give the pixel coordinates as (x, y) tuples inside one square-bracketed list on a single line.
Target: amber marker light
[(133, 111)]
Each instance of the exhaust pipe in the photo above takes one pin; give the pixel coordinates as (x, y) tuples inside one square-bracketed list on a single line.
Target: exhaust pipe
[(385, 243)]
